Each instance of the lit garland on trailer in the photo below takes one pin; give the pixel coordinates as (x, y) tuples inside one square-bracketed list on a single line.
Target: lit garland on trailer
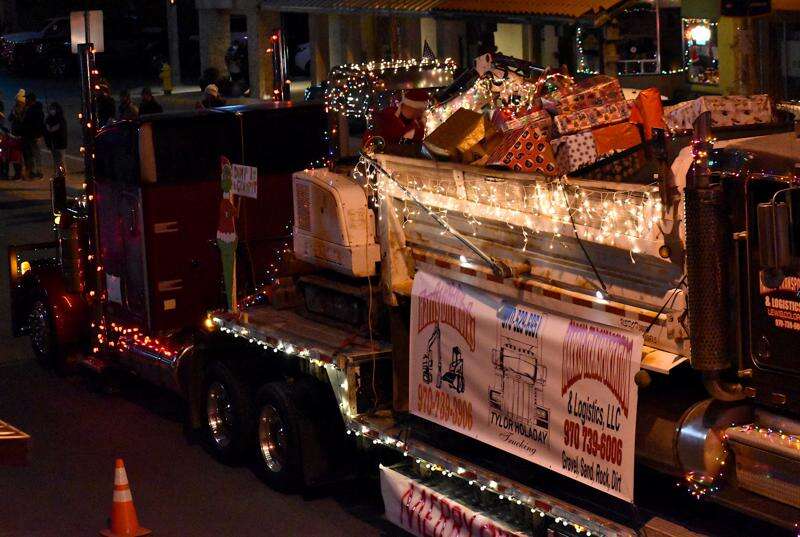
[(623, 219), (352, 88)]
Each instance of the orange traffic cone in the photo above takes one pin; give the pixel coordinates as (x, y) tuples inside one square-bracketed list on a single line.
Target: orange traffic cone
[(123, 515)]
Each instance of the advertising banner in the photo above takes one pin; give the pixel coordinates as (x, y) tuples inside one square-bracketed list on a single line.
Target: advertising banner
[(558, 392), (424, 512)]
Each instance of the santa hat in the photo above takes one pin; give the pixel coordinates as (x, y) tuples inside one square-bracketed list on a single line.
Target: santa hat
[(415, 98)]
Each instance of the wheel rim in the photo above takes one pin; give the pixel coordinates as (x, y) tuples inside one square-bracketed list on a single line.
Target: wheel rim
[(39, 327), (219, 410), (272, 439)]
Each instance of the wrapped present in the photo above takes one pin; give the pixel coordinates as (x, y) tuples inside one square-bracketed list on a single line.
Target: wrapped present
[(622, 169), (738, 110), (726, 111), (461, 136), (575, 151), (595, 91), (525, 150), (648, 111), (616, 138), (505, 120), (590, 118), (471, 100)]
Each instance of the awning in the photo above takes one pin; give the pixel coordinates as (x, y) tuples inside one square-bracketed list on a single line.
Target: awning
[(413, 7), (558, 8), (785, 5), (552, 8)]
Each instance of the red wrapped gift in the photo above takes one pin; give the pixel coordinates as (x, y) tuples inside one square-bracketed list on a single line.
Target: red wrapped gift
[(615, 138), (590, 118), (525, 150), (596, 91), (505, 119)]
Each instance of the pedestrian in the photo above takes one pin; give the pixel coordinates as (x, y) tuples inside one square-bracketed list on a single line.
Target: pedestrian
[(55, 136), (18, 113), (148, 104), (106, 106), (127, 110), (211, 98), (3, 136), (12, 143), (32, 130)]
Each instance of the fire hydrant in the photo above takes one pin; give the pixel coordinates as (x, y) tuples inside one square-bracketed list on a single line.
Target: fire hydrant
[(166, 78)]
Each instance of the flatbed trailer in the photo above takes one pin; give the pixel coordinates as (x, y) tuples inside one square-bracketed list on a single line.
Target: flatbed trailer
[(289, 334)]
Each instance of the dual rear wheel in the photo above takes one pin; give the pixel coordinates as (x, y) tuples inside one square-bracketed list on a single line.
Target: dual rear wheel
[(273, 428)]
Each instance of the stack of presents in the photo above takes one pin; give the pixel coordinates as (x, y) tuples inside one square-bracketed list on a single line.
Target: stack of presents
[(586, 128)]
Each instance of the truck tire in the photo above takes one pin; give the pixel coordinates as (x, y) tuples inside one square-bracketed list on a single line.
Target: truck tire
[(42, 333), (228, 412), (279, 425)]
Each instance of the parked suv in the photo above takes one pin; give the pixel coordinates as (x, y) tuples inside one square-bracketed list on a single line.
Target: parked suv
[(48, 49)]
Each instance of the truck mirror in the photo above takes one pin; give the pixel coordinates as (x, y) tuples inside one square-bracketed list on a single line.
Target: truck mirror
[(774, 244)]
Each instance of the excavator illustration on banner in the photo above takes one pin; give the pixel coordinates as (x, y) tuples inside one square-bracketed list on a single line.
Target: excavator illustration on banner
[(454, 376)]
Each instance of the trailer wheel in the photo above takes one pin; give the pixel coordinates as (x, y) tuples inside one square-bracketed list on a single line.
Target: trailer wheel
[(228, 421), (44, 340), (278, 432)]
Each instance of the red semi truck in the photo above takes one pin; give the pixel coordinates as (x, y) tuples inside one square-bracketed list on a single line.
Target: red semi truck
[(449, 315)]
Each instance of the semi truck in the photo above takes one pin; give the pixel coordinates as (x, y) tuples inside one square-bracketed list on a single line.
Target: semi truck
[(524, 352)]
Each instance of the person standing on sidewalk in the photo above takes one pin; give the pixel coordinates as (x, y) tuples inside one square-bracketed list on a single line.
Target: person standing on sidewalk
[(55, 136), (32, 130), (106, 106), (148, 104), (13, 145), (127, 110), (211, 98)]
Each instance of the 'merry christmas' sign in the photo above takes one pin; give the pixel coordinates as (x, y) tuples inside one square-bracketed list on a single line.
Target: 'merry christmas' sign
[(558, 392)]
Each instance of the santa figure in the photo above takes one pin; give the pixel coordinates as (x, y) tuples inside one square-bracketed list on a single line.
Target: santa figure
[(402, 123)]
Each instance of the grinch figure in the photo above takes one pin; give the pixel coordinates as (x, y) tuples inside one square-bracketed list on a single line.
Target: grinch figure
[(226, 233)]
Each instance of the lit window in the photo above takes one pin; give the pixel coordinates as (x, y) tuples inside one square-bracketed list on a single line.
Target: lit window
[(700, 51)]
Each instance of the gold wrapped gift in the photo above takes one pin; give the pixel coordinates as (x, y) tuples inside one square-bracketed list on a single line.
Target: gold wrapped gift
[(461, 137)]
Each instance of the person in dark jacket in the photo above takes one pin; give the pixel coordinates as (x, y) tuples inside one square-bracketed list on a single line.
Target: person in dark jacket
[(127, 110), (211, 98), (106, 106), (148, 104), (55, 136), (32, 130)]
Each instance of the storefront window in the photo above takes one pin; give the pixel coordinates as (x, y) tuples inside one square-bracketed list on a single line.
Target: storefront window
[(625, 45), (700, 51)]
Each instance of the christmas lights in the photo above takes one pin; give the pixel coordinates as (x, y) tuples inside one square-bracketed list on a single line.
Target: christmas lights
[(507, 491), (352, 88), (582, 66), (624, 219)]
